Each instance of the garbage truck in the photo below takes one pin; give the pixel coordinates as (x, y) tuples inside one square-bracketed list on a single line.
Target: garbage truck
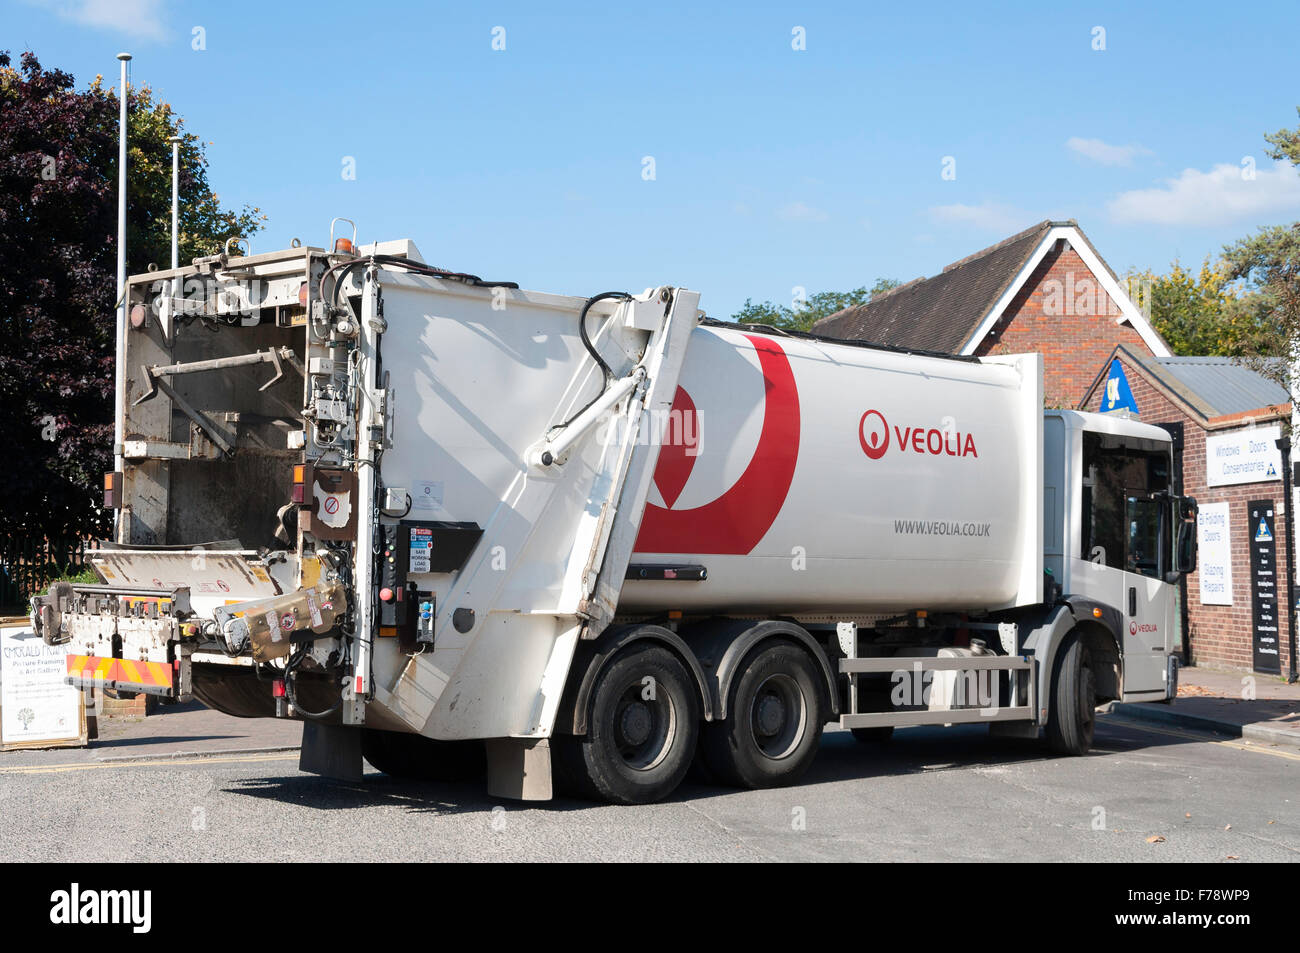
[(584, 543)]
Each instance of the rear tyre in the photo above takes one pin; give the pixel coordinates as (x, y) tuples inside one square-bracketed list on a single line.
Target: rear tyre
[(774, 721), (1072, 718), (416, 758), (642, 730)]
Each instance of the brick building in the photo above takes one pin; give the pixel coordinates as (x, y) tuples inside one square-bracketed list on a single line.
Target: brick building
[(1218, 405), (1045, 289)]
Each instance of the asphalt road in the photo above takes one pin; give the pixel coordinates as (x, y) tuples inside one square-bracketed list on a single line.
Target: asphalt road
[(933, 794)]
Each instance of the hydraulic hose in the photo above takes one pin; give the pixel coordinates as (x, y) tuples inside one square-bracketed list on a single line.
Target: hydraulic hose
[(591, 349), (291, 694)]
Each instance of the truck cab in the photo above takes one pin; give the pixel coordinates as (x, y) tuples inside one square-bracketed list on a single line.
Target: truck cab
[(1117, 535)]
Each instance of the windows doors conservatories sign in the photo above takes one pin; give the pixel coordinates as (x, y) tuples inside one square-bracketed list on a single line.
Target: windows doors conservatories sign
[(1243, 456)]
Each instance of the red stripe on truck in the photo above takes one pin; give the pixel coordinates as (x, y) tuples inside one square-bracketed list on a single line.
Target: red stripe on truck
[(735, 522)]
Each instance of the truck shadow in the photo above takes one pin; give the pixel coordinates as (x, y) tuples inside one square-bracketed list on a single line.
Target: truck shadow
[(840, 759)]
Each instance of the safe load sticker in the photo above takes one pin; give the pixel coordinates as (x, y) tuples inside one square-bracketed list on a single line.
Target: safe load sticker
[(421, 550)]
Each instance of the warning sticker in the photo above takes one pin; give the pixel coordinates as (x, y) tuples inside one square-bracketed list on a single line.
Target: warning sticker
[(315, 612), (421, 551)]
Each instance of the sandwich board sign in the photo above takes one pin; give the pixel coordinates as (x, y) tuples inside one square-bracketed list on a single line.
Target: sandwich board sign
[(37, 708)]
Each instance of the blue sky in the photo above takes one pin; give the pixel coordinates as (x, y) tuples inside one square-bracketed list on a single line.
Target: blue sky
[(774, 167)]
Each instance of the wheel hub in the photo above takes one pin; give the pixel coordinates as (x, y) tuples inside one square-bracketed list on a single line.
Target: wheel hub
[(770, 716), (636, 723), (778, 716)]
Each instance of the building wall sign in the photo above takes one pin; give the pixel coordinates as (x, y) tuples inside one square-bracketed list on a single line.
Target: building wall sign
[(1214, 554), (1243, 456), (1260, 530)]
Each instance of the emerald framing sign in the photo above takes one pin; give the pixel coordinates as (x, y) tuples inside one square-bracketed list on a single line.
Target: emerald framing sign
[(37, 708)]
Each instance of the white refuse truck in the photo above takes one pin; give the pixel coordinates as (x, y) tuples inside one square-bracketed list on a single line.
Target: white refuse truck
[(445, 522)]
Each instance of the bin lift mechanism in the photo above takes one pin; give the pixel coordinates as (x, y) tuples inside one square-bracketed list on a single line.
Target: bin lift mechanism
[(272, 355)]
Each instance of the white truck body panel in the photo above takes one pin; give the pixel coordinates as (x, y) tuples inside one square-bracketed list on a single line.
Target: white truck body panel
[(476, 388), (775, 491)]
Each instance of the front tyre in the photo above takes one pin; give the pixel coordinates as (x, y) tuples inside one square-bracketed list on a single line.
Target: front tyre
[(642, 730), (774, 721), (1072, 718)]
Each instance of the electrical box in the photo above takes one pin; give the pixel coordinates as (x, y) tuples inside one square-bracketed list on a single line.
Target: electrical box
[(411, 547)]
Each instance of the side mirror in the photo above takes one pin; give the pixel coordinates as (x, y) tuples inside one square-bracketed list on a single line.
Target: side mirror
[(1185, 535)]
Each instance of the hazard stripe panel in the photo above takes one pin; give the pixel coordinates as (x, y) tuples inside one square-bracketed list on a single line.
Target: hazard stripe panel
[(152, 677)]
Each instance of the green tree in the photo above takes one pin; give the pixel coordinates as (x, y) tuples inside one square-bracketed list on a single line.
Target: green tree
[(1205, 312), (58, 215), (1269, 261), (813, 309)]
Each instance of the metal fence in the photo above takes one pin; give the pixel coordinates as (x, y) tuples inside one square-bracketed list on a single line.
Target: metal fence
[(29, 563)]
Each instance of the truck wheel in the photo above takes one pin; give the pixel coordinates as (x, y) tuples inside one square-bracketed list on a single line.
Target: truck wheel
[(642, 732), (878, 735), (416, 758), (1072, 717), (774, 725)]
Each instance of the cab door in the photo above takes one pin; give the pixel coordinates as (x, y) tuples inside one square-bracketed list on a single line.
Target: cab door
[(1146, 599)]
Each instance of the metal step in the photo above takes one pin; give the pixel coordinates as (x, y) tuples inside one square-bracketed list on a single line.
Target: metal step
[(1020, 708), (951, 716)]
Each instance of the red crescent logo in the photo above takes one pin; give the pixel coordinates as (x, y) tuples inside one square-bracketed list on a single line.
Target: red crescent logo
[(875, 441), (734, 523)]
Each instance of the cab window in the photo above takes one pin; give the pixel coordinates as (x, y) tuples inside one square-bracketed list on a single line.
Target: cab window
[(1121, 524)]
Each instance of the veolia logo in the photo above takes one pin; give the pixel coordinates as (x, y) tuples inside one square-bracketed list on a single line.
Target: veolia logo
[(875, 437), (873, 433)]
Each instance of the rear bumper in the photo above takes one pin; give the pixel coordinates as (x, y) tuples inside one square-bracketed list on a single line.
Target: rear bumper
[(151, 678)]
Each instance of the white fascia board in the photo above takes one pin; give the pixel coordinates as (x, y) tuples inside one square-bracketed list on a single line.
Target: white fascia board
[(1129, 311), (995, 313)]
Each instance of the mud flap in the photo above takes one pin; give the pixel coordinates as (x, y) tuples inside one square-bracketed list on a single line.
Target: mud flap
[(519, 768), (332, 751)]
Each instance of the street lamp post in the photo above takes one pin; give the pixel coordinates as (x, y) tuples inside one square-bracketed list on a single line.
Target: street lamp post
[(176, 198), (119, 422)]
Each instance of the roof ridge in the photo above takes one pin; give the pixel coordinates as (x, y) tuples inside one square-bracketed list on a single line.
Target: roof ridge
[(879, 295), (1019, 236)]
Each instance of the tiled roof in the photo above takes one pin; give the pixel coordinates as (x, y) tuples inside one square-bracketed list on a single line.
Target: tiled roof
[(939, 313)]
